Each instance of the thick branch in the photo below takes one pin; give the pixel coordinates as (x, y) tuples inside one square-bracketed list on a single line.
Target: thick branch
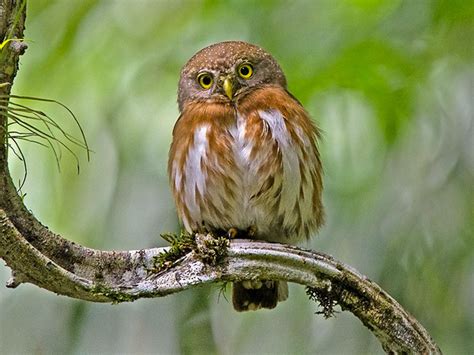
[(38, 256), (112, 276)]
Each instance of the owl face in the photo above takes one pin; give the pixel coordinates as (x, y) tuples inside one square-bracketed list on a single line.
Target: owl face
[(227, 71)]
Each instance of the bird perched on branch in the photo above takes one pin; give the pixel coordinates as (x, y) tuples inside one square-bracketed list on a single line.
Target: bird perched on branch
[(244, 158)]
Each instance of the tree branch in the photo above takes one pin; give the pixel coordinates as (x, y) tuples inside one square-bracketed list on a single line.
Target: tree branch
[(38, 256), (117, 276)]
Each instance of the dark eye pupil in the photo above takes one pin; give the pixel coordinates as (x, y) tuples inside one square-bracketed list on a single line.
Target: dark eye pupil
[(206, 80), (244, 70)]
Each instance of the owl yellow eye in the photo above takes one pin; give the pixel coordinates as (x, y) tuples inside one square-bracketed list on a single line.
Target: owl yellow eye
[(205, 80), (245, 71)]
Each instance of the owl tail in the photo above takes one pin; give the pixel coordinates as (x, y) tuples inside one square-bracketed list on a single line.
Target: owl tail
[(256, 294)]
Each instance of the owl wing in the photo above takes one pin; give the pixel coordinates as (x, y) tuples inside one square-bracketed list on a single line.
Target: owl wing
[(201, 165), (285, 151)]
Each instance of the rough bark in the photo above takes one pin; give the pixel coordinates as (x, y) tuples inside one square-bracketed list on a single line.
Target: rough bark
[(38, 256)]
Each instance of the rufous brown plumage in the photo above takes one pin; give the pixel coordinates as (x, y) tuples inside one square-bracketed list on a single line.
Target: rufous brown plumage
[(244, 156)]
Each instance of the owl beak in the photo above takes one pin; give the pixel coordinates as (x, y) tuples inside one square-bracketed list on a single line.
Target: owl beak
[(228, 88)]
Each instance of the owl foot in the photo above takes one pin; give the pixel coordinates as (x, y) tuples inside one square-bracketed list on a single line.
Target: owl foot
[(232, 233), (252, 232)]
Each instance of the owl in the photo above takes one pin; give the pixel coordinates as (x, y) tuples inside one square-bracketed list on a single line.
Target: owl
[(244, 157)]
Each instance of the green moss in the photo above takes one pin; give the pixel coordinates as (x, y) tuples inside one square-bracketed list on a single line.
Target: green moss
[(114, 295), (180, 245), (326, 299), (209, 248)]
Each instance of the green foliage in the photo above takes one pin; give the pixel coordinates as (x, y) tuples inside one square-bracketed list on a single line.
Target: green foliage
[(388, 81)]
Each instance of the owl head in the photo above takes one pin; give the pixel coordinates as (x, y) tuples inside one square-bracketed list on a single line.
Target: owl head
[(226, 71)]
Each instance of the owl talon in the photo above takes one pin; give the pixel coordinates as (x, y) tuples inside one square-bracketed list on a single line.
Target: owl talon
[(232, 233), (252, 231)]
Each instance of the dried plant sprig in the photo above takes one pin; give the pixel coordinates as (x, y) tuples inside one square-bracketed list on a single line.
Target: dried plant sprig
[(19, 154), (36, 126)]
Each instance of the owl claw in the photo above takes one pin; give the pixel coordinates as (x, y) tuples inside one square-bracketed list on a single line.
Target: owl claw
[(252, 231), (232, 233)]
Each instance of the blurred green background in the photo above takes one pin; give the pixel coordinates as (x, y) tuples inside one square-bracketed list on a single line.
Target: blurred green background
[(389, 82)]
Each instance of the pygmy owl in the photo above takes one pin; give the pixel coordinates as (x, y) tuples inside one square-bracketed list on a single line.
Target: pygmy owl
[(244, 157)]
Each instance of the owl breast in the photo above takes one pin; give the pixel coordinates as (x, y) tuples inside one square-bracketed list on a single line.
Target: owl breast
[(256, 168)]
